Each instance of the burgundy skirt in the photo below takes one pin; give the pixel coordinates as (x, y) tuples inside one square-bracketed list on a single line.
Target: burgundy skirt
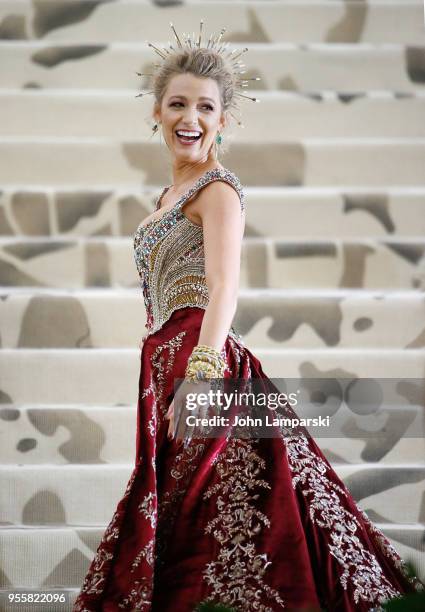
[(258, 524)]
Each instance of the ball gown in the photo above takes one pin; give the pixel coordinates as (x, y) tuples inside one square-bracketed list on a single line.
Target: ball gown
[(258, 524)]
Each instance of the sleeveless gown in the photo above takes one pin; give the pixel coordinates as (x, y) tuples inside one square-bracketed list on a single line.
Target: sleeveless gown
[(255, 524)]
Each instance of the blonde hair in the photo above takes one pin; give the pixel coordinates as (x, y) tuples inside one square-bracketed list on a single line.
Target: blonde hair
[(200, 62)]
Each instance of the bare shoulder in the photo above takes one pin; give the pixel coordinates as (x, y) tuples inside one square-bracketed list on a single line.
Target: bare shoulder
[(219, 199), (219, 196)]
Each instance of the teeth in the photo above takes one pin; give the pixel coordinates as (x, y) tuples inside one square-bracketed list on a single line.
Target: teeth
[(183, 133)]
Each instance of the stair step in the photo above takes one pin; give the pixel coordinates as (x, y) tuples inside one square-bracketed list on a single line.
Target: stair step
[(313, 212), (312, 67), (81, 434), (255, 22), (384, 263), (280, 319), (93, 376), (60, 557), (290, 115), (308, 162), (53, 496)]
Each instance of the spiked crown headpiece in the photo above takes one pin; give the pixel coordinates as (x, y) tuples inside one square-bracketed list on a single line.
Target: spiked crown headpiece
[(214, 44)]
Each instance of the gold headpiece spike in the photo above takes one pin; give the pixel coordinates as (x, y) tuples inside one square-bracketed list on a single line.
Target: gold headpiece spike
[(237, 93), (176, 35), (229, 55), (209, 41), (217, 39), (200, 33), (156, 50), (249, 79), (238, 121), (221, 34), (144, 93), (240, 53)]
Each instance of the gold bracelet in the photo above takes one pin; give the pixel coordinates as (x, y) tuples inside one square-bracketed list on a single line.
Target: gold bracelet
[(205, 370), (204, 363), (206, 353)]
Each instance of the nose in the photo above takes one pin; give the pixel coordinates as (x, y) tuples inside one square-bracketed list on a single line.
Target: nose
[(190, 117)]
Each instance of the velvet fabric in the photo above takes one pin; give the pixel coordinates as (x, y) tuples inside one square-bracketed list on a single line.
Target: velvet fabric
[(257, 524)]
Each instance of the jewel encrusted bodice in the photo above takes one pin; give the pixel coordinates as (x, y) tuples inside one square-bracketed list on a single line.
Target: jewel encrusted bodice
[(169, 255)]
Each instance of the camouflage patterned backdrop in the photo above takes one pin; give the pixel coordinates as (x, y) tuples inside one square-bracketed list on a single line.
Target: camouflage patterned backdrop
[(333, 265)]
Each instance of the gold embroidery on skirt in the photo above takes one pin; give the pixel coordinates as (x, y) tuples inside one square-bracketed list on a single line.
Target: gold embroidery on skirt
[(236, 576), (360, 567)]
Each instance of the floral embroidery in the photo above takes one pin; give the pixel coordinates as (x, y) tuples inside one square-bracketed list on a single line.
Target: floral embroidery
[(157, 361), (152, 425), (236, 576), (93, 584), (389, 550), (95, 578), (148, 508), (139, 597), (147, 552), (360, 567), (185, 464)]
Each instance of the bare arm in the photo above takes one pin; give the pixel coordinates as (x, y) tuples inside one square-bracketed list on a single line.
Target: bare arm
[(223, 227)]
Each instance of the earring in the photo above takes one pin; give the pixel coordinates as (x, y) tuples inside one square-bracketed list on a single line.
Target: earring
[(155, 128), (219, 139)]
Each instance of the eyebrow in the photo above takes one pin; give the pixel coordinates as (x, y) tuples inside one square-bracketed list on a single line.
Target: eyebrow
[(201, 98)]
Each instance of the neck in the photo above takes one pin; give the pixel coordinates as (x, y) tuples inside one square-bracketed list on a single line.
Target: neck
[(185, 173)]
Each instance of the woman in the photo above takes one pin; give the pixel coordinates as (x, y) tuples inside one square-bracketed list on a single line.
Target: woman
[(253, 523)]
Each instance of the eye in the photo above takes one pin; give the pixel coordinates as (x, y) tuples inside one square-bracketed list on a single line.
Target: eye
[(208, 106)]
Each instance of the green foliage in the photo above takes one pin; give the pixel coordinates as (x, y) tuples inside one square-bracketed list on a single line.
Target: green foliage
[(413, 602)]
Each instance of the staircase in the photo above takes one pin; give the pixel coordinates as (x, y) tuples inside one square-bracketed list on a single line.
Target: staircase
[(333, 266)]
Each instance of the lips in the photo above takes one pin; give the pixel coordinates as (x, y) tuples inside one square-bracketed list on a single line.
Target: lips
[(188, 136)]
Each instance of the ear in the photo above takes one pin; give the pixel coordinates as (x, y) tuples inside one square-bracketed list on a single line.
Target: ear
[(156, 113), (223, 121)]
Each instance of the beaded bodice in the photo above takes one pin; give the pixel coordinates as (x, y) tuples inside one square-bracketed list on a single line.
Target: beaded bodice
[(169, 255)]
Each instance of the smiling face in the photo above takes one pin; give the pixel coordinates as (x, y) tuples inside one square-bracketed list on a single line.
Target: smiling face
[(191, 115)]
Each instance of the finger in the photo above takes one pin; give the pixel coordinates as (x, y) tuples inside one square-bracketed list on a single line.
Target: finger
[(170, 410), (180, 421), (170, 433)]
